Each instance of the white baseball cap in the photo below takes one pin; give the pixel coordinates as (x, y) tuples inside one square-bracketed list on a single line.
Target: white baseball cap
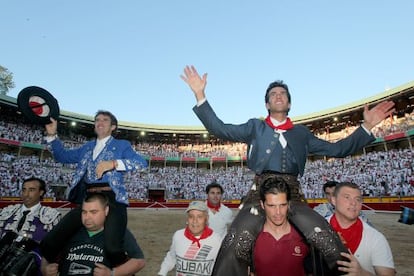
[(197, 205)]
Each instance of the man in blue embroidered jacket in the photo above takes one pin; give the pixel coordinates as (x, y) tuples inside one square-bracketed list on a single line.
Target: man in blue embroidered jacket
[(277, 146), (101, 165)]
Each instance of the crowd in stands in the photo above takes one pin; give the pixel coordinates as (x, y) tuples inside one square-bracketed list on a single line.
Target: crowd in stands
[(190, 182), (14, 170), (20, 132), (378, 173), (192, 150), (389, 126)]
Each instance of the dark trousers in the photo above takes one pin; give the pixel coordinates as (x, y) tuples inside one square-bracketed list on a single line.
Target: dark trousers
[(115, 225), (236, 252)]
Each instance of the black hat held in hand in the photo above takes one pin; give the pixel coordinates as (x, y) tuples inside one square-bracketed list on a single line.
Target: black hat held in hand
[(37, 105)]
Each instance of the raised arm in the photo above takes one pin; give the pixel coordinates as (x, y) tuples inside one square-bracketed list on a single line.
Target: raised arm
[(51, 129), (195, 82), (375, 115)]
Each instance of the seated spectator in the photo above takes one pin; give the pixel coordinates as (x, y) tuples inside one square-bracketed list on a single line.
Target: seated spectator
[(101, 164)]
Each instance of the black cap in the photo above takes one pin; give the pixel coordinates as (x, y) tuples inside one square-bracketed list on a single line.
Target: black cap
[(37, 105)]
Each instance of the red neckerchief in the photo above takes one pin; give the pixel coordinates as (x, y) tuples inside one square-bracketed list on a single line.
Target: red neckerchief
[(211, 206), (285, 126), (206, 233), (351, 235)]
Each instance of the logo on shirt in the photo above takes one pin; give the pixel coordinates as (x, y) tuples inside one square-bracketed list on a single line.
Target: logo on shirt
[(195, 261), (297, 251), (79, 269), (196, 267)]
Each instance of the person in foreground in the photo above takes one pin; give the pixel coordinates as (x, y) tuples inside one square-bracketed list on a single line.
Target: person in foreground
[(101, 165), (327, 209), (85, 255), (219, 215), (24, 226), (369, 251), (277, 146), (194, 249), (278, 240)]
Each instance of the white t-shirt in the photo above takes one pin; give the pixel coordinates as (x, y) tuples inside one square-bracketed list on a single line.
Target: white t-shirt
[(373, 250), (220, 220), (188, 259)]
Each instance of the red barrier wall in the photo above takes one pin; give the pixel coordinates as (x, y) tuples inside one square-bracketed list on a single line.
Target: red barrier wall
[(384, 206)]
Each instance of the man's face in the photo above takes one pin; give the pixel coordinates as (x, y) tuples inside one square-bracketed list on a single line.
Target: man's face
[(103, 127), (348, 203), (278, 101), (93, 215), (329, 193), (31, 193), (197, 221), (214, 196), (276, 208)]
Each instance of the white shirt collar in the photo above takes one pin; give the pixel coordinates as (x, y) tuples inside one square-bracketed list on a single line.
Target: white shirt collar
[(276, 122), (33, 208), (102, 141)]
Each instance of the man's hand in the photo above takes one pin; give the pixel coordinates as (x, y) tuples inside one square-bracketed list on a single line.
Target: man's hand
[(101, 270), (196, 83), (375, 115), (103, 167), (51, 129), (352, 268), (51, 269)]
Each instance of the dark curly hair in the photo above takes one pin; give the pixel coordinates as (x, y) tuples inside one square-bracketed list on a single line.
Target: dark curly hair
[(273, 184)]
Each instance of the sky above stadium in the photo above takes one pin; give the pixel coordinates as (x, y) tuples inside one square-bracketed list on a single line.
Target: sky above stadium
[(127, 56)]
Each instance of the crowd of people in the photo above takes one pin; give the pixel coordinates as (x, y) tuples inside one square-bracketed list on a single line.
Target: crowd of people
[(25, 226), (195, 248), (18, 131), (378, 173), (277, 153), (381, 173)]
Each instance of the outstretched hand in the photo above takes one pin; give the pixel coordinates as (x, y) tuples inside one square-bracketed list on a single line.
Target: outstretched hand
[(195, 82), (375, 115)]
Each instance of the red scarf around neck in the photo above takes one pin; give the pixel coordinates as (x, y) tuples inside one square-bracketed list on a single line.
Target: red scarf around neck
[(206, 233), (285, 126), (352, 235), (211, 206)]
